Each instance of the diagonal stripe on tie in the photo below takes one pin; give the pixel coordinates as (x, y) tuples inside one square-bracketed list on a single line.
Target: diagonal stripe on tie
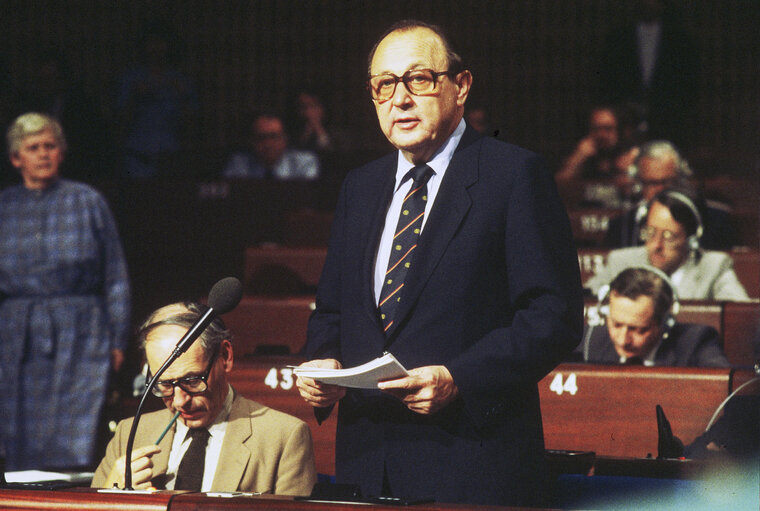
[(404, 242)]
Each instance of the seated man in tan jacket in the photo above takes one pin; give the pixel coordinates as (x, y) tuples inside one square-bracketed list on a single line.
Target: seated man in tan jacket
[(221, 440)]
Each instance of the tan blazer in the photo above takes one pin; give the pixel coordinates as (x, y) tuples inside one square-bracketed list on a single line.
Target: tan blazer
[(264, 450)]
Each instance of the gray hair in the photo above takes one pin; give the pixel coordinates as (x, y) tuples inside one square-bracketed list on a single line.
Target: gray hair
[(185, 314), (29, 124), (662, 149)]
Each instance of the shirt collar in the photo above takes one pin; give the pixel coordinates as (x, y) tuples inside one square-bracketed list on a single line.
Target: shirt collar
[(648, 360), (219, 424), (440, 160)]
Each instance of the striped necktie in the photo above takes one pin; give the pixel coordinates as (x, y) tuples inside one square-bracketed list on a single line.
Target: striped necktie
[(404, 242)]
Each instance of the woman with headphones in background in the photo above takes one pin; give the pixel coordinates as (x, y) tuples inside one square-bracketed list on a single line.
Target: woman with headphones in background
[(671, 237), (639, 309)]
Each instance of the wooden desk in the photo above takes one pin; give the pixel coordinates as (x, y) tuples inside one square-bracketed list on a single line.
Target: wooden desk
[(611, 410), (589, 226), (269, 321), (268, 380), (747, 268), (270, 266), (85, 498), (740, 324)]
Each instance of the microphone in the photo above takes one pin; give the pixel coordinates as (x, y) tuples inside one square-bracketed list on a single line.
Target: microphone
[(223, 297)]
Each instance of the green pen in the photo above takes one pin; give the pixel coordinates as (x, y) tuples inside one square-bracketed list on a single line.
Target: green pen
[(166, 429)]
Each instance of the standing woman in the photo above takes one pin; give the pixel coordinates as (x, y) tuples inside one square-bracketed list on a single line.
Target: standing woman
[(64, 304)]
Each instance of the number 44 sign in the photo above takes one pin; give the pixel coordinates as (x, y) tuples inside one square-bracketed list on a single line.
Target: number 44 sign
[(569, 385)]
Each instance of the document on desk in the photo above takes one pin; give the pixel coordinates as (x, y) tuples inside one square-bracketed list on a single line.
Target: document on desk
[(365, 376)]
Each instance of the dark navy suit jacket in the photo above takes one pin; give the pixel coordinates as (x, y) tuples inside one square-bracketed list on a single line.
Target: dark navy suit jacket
[(494, 295)]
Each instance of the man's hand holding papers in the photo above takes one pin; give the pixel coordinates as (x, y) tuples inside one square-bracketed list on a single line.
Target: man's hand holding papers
[(320, 395)]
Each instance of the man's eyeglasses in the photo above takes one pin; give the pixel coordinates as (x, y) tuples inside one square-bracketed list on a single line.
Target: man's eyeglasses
[(190, 384), (668, 237), (420, 82)]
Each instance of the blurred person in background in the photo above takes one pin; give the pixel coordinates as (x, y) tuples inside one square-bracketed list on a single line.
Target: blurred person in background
[(64, 304)]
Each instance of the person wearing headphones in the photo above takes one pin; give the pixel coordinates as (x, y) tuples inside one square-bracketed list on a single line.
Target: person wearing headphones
[(672, 236), (659, 165), (639, 309)]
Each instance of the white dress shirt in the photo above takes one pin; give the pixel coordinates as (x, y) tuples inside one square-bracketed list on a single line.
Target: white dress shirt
[(213, 448), (439, 163)]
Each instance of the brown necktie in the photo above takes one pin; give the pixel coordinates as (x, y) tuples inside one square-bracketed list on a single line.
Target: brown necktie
[(190, 471), (404, 242)]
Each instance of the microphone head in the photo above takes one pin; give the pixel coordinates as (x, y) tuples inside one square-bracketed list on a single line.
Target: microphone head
[(225, 295)]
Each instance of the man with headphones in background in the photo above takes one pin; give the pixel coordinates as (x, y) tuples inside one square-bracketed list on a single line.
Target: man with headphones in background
[(672, 235), (657, 166), (639, 308)]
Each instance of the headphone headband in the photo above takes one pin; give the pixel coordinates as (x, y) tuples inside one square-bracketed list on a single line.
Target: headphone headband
[(675, 305), (684, 199)]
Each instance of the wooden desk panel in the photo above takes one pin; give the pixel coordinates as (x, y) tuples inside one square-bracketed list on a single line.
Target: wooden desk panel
[(740, 324), (266, 266), (747, 268), (612, 412), (268, 381), (589, 226), (85, 498), (262, 320)]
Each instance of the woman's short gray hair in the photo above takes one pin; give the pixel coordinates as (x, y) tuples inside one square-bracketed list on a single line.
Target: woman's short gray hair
[(32, 123)]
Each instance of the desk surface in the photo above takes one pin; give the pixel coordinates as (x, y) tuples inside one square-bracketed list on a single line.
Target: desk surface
[(85, 498)]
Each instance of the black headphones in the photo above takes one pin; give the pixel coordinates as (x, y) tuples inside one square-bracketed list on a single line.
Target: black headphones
[(668, 320), (694, 239)]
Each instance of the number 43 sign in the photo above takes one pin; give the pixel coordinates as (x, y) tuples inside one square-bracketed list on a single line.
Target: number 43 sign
[(569, 385)]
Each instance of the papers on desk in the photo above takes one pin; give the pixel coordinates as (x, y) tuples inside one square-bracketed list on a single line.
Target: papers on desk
[(365, 376), (34, 476)]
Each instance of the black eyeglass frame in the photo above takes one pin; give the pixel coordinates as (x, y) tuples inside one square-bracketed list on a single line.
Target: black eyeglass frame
[(179, 381), (406, 78)]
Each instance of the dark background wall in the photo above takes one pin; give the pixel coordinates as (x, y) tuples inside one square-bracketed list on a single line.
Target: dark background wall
[(533, 63), (533, 60)]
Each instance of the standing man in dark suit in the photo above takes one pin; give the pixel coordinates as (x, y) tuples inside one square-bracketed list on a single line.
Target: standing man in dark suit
[(490, 302)]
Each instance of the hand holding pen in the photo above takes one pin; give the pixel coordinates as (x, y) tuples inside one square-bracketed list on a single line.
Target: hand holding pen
[(142, 464)]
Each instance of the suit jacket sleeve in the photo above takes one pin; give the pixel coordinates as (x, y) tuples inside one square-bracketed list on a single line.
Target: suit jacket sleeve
[(707, 350), (113, 451), (148, 428), (544, 293), (296, 474)]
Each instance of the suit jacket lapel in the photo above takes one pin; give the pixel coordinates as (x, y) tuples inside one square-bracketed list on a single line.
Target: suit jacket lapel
[(377, 209), (234, 457), (449, 210)]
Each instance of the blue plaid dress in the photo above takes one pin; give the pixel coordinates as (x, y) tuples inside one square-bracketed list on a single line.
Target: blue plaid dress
[(64, 305)]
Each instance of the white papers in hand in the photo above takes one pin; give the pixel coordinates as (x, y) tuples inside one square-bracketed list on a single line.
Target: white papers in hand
[(365, 376)]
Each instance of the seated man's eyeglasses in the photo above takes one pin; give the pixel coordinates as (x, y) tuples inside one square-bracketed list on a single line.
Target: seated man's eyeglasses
[(192, 385), (668, 237), (419, 82)]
